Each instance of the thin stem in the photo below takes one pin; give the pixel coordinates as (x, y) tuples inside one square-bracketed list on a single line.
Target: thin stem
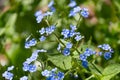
[(79, 21), (96, 68), (47, 22), (90, 77)]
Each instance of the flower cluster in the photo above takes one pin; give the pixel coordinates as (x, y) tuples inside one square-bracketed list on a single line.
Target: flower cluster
[(7, 74), (67, 34), (27, 66), (76, 9), (46, 31), (54, 74), (39, 15), (83, 57), (71, 33), (107, 51), (30, 43)]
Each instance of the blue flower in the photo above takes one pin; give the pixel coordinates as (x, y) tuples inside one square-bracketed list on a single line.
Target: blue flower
[(39, 18), (73, 27), (51, 3), (38, 13), (53, 74), (72, 4), (30, 43), (100, 53), (8, 75), (65, 33), (85, 64), (29, 67), (46, 73), (42, 31), (69, 45), (10, 68), (50, 29), (89, 52), (107, 55), (105, 47), (24, 78), (42, 38), (60, 75), (83, 57), (78, 37), (66, 51), (74, 11), (25, 66), (84, 12), (71, 33), (52, 9), (32, 68)]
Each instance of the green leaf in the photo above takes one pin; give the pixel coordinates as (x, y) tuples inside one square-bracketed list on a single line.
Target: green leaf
[(9, 27), (110, 71), (61, 61)]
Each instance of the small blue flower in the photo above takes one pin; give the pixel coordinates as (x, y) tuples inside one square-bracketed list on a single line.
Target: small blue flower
[(51, 3), (60, 75), (74, 11), (85, 64), (107, 55), (78, 37), (71, 33), (32, 68), (42, 31), (8, 75), (46, 73), (100, 53), (66, 51), (38, 13), (39, 18), (69, 45), (52, 9), (73, 27), (89, 52), (24, 78), (84, 12), (25, 67), (72, 4), (53, 74), (10, 68), (83, 57), (65, 33), (30, 43), (50, 29), (42, 38), (105, 47)]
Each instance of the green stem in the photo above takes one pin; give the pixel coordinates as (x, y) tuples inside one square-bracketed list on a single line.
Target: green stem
[(90, 77), (79, 21), (96, 68)]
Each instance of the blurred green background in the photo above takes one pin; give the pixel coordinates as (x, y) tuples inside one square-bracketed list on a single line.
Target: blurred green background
[(17, 22)]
